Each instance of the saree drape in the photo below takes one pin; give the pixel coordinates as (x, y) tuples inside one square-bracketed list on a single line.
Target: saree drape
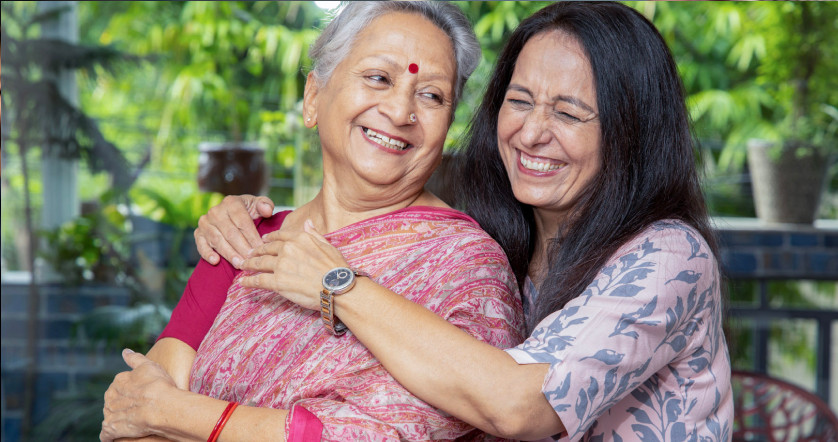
[(263, 350)]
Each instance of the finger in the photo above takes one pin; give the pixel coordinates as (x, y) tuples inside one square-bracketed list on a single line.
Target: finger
[(205, 250), (208, 230), (250, 203), (263, 206), (133, 359), (323, 244), (308, 226), (272, 248), (264, 264), (280, 235), (241, 231), (257, 281)]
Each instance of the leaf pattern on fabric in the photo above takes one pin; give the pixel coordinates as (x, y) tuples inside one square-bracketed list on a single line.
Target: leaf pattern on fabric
[(640, 338)]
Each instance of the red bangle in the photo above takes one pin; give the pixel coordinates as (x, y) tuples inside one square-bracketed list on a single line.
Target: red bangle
[(225, 416)]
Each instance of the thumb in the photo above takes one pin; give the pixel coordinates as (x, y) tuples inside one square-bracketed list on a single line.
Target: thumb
[(309, 228), (132, 358)]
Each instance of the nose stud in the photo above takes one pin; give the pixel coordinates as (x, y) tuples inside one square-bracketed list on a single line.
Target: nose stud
[(412, 117)]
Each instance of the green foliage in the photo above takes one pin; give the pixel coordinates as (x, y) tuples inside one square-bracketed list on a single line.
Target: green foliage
[(791, 341), (180, 211), (119, 327), (93, 247), (33, 97), (220, 65), (754, 69)]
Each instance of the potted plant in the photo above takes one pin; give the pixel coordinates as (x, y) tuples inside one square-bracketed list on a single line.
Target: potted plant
[(789, 174), (762, 71), (790, 156), (234, 62)]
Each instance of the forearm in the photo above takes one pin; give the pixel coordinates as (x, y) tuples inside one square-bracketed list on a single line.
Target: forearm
[(188, 416), (446, 367)]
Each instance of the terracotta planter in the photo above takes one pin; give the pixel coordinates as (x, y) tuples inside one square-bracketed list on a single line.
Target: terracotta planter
[(787, 189), (232, 168)]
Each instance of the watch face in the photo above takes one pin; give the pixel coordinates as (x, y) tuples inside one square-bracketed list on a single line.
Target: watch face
[(338, 279)]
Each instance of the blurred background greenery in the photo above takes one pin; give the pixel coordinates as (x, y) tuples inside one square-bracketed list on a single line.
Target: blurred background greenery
[(159, 78)]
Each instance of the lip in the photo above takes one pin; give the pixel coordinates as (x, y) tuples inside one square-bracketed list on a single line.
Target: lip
[(388, 135), (536, 173)]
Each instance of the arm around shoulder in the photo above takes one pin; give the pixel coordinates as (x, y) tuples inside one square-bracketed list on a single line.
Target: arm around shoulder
[(447, 367)]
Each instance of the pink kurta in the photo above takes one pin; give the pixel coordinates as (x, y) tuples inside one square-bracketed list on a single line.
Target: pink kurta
[(265, 351), (640, 354)]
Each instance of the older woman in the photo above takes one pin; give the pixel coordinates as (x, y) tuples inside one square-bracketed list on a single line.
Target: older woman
[(382, 93), (580, 163)]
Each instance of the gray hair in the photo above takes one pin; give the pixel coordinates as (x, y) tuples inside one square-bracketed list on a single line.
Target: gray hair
[(337, 39)]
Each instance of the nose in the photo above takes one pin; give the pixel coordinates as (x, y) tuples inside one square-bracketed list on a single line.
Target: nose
[(534, 130), (399, 105)]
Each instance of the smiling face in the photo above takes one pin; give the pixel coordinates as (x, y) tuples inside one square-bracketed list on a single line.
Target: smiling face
[(548, 131), (372, 148)]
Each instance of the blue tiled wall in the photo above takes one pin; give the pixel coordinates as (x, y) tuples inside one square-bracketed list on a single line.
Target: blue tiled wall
[(64, 364), (751, 250)]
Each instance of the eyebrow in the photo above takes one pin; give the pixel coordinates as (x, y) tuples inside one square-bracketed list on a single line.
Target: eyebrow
[(566, 98)]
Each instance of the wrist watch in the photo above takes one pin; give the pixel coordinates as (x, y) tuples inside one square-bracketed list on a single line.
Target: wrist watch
[(335, 282)]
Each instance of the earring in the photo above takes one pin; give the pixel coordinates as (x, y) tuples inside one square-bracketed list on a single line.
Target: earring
[(308, 119), (412, 117)]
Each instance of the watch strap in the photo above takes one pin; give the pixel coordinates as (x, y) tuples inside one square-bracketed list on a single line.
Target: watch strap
[(327, 313)]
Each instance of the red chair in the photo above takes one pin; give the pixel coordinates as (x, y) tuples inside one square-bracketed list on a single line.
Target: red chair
[(771, 410)]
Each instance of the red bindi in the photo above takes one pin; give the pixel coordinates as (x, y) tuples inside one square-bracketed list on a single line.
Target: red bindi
[(413, 68)]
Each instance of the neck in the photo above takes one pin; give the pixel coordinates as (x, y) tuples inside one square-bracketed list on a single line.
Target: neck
[(546, 228), (330, 210)]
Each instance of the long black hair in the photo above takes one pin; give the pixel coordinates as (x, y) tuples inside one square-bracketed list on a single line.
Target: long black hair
[(648, 168)]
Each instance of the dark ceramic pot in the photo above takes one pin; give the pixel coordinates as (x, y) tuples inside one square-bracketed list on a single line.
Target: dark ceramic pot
[(232, 168)]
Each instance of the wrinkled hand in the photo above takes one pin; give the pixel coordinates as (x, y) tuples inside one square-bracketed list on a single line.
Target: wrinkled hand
[(293, 264), (228, 229), (133, 397)]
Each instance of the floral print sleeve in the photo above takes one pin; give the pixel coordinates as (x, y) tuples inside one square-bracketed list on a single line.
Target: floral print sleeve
[(640, 354)]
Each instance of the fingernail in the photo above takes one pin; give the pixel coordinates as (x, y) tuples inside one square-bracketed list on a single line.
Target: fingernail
[(237, 262), (250, 253), (128, 351), (264, 237), (309, 224)]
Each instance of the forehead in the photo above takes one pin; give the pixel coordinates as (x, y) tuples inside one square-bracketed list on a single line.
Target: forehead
[(405, 38), (553, 63)]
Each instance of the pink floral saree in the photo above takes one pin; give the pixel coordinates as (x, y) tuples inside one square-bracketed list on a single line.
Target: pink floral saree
[(265, 351)]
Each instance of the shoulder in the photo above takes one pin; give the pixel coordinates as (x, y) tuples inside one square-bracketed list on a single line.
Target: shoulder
[(670, 239), (467, 239), (448, 227), (668, 257), (271, 223)]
